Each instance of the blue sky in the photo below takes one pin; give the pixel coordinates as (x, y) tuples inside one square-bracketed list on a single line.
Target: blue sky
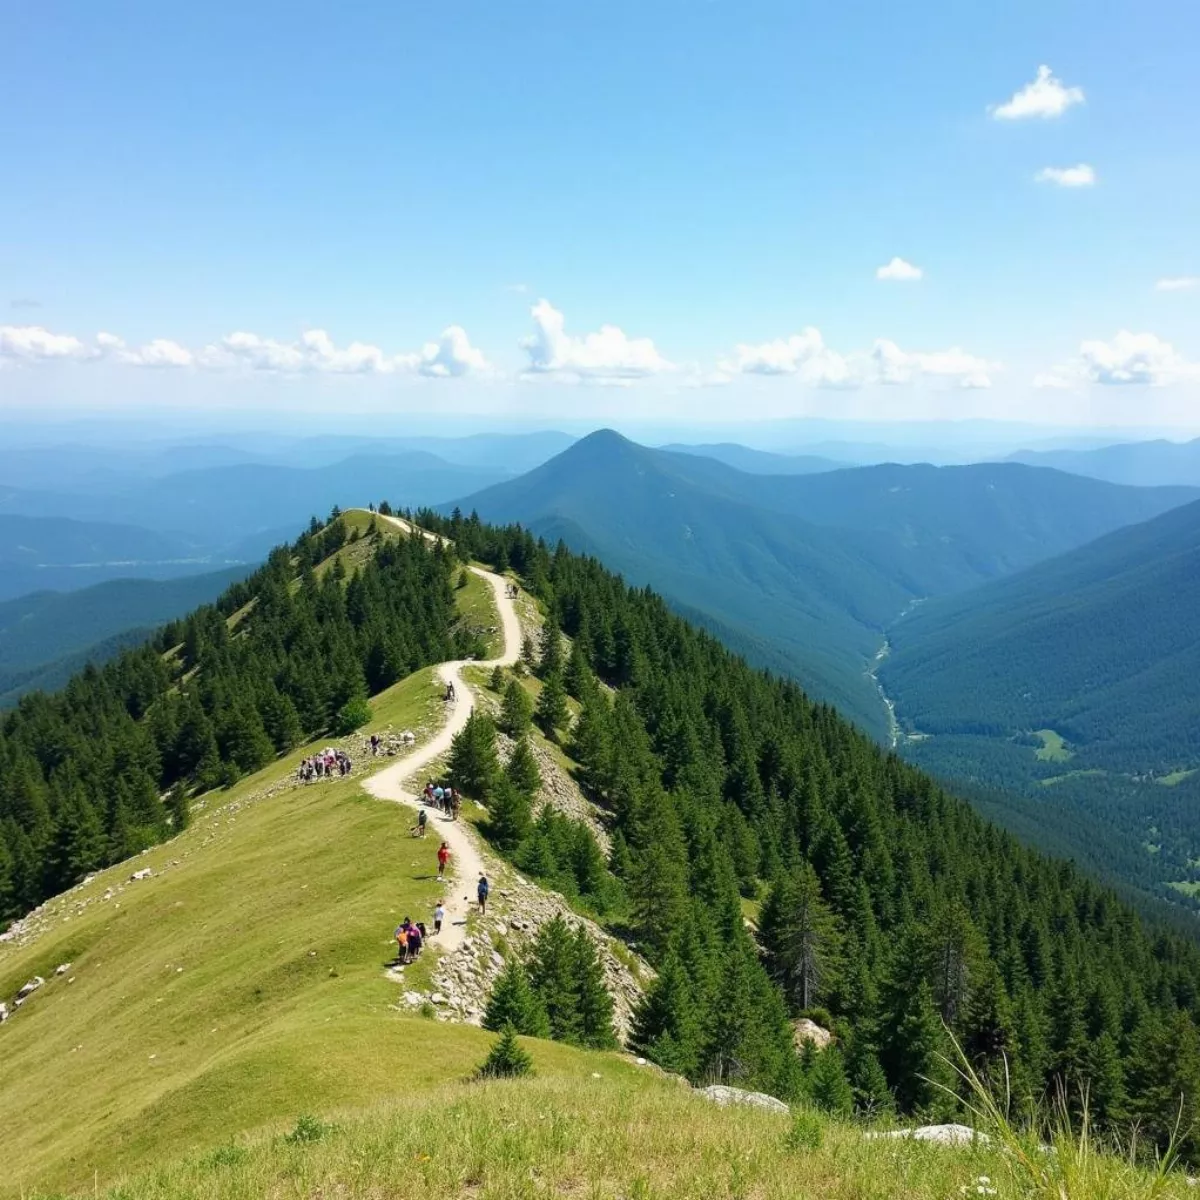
[(700, 176)]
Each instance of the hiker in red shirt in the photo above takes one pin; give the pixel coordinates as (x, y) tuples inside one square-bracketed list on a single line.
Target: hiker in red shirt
[(443, 859)]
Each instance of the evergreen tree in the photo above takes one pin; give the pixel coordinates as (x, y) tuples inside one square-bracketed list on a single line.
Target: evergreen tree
[(516, 710), (801, 938), (352, 715), (552, 713), (828, 1085), (508, 1059), (552, 974), (522, 769), (595, 1005), (473, 763), (666, 1026), (513, 1003), (872, 1096), (551, 660), (509, 817), (178, 806)]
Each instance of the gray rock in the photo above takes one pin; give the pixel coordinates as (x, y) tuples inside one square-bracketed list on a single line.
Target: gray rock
[(31, 987), (725, 1096), (62, 968), (943, 1135), (3, 1012), (144, 873)]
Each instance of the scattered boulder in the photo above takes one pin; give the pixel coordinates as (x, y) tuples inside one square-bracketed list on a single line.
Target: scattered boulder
[(31, 987), (724, 1096), (942, 1135), (144, 873), (3, 1012), (62, 968), (804, 1030)]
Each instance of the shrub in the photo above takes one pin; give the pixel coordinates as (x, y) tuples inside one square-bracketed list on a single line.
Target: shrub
[(806, 1133), (308, 1129), (354, 714)]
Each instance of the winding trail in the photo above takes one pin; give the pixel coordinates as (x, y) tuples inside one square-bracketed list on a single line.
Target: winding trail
[(466, 863)]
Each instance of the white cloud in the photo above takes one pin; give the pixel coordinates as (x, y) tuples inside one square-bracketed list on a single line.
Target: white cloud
[(161, 352), (804, 354), (1178, 283), (32, 343), (893, 365), (1068, 177), (606, 356), (1129, 358), (1045, 97), (899, 271), (451, 356)]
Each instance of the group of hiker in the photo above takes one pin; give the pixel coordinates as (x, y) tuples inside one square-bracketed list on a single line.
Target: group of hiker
[(325, 765), (444, 798), (410, 936)]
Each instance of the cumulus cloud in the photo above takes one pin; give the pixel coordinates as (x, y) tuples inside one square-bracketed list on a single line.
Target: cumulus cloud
[(804, 354), (1129, 358), (1045, 97), (606, 356), (449, 357), (1177, 283), (32, 343), (894, 365), (161, 352), (1068, 177), (899, 271), (315, 352), (807, 357)]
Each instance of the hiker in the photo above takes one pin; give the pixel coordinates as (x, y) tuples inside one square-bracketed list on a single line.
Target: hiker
[(401, 936), (439, 915), (456, 804), (415, 942), (482, 892), (443, 858), (422, 817), (438, 793)]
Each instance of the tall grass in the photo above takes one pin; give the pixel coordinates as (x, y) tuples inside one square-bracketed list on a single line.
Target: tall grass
[(602, 1137), (1060, 1156)]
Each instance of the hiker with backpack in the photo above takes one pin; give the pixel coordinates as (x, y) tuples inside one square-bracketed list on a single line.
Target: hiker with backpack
[(482, 893), (422, 818), (443, 857)]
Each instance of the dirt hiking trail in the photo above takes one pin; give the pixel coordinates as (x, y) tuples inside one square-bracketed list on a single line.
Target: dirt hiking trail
[(466, 863)]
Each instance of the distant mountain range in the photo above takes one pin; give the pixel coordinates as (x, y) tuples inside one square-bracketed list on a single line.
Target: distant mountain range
[(804, 572), (46, 637), (1141, 464), (759, 462)]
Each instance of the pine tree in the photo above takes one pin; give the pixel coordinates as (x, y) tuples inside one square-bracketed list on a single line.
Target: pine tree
[(595, 1005), (516, 710), (666, 1026), (872, 1096), (828, 1084), (513, 1003), (551, 660), (552, 712), (801, 938), (1107, 1097), (522, 769), (915, 1052), (178, 806), (473, 764), (510, 820), (508, 1059), (552, 975)]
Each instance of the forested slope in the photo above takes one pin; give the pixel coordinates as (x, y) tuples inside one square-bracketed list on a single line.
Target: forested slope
[(893, 910), (1101, 645), (211, 698)]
